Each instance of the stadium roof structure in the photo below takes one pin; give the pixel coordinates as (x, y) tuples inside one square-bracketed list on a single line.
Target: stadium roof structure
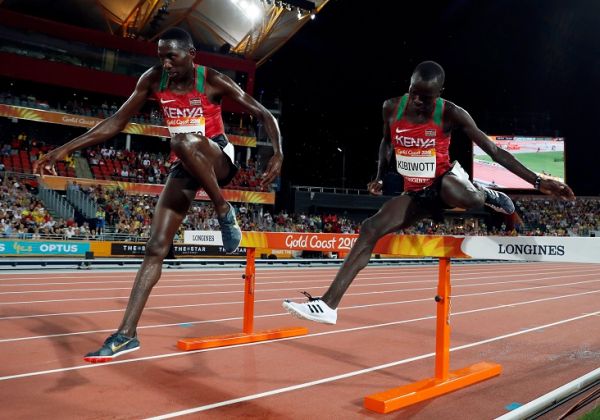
[(254, 29)]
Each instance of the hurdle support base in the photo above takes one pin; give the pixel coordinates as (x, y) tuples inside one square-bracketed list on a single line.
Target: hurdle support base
[(188, 344), (403, 396)]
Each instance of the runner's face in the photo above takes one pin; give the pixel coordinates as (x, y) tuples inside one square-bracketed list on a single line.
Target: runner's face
[(422, 95), (176, 61)]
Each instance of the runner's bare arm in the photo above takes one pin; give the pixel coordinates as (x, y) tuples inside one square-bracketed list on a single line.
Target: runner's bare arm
[(222, 85), (385, 151), (460, 118), (103, 131)]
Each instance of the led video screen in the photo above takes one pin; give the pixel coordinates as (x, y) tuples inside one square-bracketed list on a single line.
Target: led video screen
[(543, 155)]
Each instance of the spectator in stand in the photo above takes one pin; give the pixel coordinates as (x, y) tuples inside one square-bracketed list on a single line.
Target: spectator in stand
[(21, 140), (94, 159), (6, 149), (100, 221)]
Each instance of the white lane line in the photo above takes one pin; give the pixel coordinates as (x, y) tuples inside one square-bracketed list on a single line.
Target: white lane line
[(191, 305), (204, 275), (327, 281), (364, 274), (356, 372), (111, 330), (196, 285), (260, 278), (362, 328), (211, 271), (208, 321)]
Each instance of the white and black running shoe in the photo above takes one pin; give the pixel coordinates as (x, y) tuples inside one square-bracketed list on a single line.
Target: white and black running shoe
[(314, 310), (115, 345), (497, 200)]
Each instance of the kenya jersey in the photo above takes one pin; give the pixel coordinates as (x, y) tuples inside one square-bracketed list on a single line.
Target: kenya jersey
[(190, 112), (421, 149)]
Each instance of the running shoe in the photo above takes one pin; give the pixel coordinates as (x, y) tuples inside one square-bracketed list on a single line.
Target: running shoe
[(115, 345), (314, 310), (230, 231), (497, 200)]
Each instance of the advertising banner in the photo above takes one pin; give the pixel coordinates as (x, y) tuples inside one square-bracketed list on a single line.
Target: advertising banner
[(533, 248), (511, 248), (129, 249), (132, 188), (203, 237), (53, 117), (43, 248)]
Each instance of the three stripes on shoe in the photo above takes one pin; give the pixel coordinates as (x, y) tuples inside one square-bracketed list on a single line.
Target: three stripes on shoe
[(315, 308)]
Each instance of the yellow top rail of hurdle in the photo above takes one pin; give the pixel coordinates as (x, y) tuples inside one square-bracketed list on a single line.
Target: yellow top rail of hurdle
[(513, 248)]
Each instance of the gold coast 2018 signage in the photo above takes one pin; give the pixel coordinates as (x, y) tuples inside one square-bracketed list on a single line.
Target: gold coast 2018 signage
[(13, 111)]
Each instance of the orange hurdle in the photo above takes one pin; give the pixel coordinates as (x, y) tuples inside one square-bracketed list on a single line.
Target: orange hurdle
[(444, 380), (442, 247), (247, 335), (529, 248)]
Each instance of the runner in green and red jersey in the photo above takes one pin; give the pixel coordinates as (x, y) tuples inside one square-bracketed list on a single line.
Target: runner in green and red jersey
[(190, 98), (416, 130)]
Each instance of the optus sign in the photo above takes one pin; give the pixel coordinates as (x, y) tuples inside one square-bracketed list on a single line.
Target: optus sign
[(28, 248)]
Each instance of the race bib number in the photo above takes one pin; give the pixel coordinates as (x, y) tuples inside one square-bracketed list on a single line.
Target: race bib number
[(194, 125), (415, 163)]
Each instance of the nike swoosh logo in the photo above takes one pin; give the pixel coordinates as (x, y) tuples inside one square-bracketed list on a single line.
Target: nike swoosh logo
[(402, 130), (115, 349), (162, 101)]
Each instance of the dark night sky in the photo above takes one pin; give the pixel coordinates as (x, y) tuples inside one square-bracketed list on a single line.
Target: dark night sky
[(504, 60)]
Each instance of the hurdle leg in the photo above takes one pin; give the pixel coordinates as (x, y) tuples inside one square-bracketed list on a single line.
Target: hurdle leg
[(247, 335), (249, 283), (442, 329), (444, 380)]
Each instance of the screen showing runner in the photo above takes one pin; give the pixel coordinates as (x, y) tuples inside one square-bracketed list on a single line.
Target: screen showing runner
[(544, 155)]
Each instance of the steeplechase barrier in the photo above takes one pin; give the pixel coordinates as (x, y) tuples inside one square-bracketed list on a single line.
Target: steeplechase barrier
[(444, 248)]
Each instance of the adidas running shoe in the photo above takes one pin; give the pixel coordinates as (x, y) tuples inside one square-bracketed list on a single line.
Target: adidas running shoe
[(314, 310)]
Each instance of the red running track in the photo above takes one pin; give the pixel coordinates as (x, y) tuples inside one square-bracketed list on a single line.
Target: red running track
[(503, 178), (538, 320)]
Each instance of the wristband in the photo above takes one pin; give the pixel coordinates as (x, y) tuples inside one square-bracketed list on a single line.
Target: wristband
[(537, 183)]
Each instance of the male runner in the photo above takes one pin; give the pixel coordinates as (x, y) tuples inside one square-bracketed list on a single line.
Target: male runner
[(417, 128), (190, 96)]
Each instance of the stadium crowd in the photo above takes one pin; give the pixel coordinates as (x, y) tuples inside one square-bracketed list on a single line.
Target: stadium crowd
[(104, 108), (543, 216), (23, 215), (110, 163)]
